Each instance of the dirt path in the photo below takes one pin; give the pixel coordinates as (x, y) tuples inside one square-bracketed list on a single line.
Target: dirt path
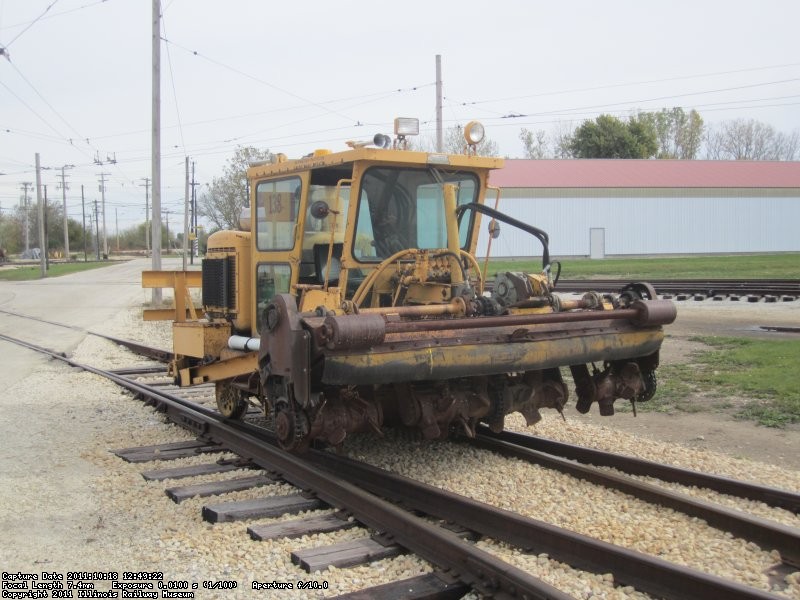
[(712, 429)]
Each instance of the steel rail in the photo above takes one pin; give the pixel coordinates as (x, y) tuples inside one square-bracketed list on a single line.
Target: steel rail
[(477, 568), (637, 466), (163, 356), (708, 287), (769, 535), (645, 573)]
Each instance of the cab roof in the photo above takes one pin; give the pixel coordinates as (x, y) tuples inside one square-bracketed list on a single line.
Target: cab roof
[(323, 159)]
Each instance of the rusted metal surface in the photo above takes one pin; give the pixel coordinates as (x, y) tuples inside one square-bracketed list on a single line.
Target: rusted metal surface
[(663, 312), (454, 355), (140, 349), (637, 466), (707, 287), (767, 534), (158, 354), (646, 573), (475, 567), (485, 572)]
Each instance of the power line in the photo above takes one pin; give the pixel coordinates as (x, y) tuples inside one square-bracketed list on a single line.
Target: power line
[(259, 80), (172, 81), (45, 16), (569, 111), (629, 84), (32, 23)]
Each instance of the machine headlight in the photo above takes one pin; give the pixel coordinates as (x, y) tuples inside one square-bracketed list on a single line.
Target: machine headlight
[(404, 126), (473, 133)]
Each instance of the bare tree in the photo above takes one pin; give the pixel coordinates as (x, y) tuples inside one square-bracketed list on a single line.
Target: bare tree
[(562, 135), (748, 139), (535, 143), (223, 200)]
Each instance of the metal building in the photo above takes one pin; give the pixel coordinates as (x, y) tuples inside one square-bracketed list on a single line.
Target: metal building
[(603, 208)]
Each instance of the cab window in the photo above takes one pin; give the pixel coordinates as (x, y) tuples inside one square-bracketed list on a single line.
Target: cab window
[(276, 213), (404, 208)]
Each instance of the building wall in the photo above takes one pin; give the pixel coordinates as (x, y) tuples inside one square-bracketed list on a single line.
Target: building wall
[(651, 221)]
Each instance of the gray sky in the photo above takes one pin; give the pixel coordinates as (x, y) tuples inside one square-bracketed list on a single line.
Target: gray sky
[(294, 76)]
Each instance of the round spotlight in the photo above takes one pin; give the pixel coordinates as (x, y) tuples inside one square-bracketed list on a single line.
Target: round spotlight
[(473, 133), (381, 141)]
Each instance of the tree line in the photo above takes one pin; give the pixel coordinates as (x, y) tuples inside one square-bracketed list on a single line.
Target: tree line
[(666, 134), (15, 222)]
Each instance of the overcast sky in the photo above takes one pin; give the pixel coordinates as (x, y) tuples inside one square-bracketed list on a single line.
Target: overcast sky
[(294, 76)]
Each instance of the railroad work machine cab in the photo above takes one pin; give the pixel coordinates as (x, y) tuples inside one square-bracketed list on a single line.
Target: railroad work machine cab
[(353, 300)]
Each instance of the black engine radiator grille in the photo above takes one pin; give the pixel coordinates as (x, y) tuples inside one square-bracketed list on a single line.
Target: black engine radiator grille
[(219, 282)]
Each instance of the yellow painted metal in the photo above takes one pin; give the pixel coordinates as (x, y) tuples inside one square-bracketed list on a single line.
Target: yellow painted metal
[(361, 159), (200, 338), (291, 257), (376, 156), (312, 298), (492, 225), (167, 279), (334, 229), (471, 359), (162, 314), (224, 244), (218, 371), (453, 243), (180, 282)]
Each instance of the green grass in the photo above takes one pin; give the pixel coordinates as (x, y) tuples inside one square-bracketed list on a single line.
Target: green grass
[(766, 266), (762, 372), (26, 273)]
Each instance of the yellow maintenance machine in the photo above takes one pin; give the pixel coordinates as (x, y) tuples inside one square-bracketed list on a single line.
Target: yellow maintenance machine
[(353, 300)]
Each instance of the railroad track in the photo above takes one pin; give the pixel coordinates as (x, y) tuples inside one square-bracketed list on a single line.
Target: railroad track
[(341, 483), (752, 290)]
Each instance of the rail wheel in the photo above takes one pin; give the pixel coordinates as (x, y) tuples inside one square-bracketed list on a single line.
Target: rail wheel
[(291, 425), (231, 402), (650, 386)]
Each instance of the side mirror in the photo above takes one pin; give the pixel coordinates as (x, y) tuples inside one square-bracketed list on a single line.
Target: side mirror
[(320, 209), (494, 229)]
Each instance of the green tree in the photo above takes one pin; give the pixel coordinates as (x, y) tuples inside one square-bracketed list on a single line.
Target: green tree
[(222, 202), (679, 134), (610, 137)]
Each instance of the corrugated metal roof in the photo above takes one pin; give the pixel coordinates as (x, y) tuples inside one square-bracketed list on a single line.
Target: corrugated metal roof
[(609, 173)]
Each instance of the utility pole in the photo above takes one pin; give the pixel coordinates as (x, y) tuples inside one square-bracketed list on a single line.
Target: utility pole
[(156, 144), (116, 226), (146, 187), (25, 186), (195, 241), (42, 263), (103, 195), (83, 222), (166, 212), (186, 216), (439, 133), (97, 229), (46, 239), (64, 189)]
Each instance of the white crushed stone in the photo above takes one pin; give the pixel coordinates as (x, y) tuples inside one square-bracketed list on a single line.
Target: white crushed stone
[(560, 500), (67, 503)]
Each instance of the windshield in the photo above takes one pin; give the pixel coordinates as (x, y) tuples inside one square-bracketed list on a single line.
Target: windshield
[(404, 208)]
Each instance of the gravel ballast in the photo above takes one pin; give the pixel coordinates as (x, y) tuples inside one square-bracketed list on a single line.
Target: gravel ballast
[(68, 504)]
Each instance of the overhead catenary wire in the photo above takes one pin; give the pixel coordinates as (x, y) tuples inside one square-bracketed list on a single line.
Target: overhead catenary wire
[(32, 23)]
